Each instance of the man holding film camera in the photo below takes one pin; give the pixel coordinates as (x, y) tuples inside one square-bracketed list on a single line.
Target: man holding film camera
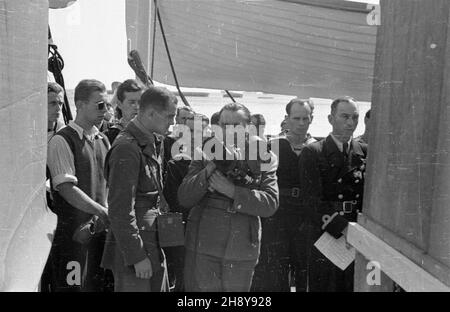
[(226, 198)]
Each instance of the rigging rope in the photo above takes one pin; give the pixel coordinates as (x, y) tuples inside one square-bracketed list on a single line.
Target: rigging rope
[(169, 57), (55, 66), (153, 44), (231, 97), (183, 98)]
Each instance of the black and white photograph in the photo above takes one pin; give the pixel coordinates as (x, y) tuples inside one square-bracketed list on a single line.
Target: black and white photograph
[(234, 148)]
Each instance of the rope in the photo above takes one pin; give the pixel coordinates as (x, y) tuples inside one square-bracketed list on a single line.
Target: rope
[(55, 66), (153, 44), (169, 57)]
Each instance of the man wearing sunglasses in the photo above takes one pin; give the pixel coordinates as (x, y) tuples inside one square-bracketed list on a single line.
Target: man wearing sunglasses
[(75, 158), (176, 170), (133, 170)]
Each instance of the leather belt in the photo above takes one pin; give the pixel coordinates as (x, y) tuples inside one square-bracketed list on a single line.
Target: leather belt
[(221, 204), (290, 192)]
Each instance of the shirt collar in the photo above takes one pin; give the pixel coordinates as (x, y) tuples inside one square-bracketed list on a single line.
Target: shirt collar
[(89, 134), (142, 128), (339, 144)]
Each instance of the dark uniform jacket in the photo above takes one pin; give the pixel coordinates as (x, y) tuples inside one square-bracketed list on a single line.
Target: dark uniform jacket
[(228, 228), (133, 197), (333, 184)]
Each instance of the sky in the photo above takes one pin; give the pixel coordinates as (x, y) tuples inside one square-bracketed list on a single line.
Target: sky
[(91, 37)]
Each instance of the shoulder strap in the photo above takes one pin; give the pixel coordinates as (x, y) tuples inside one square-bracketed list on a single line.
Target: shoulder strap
[(151, 175)]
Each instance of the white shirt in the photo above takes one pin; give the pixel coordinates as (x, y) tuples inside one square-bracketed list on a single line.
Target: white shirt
[(340, 145), (60, 158)]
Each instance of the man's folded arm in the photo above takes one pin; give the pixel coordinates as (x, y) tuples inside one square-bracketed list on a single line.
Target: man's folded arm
[(261, 202)]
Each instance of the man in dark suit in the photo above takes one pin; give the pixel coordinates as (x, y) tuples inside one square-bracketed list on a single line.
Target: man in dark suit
[(333, 176), (133, 169)]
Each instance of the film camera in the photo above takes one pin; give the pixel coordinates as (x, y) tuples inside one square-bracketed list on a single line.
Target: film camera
[(232, 162)]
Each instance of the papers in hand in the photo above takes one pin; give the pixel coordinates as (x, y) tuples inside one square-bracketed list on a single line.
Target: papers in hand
[(336, 250)]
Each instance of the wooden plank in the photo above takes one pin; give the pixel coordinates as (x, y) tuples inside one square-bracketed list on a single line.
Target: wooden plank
[(368, 279), (415, 253), (395, 265), (405, 190), (357, 6), (439, 236)]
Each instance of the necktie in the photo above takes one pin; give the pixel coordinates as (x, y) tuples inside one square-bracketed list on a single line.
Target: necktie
[(345, 150)]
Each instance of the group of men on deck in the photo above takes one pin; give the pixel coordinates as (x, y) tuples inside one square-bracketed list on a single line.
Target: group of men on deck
[(251, 223)]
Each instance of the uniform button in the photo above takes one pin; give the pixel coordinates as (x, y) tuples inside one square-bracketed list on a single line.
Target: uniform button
[(239, 207), (341, 213), (357, 196), (340, 196), (340, 181), (356, 181)]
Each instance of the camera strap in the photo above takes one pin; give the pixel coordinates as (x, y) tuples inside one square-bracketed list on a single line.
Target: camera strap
[(162, 199)]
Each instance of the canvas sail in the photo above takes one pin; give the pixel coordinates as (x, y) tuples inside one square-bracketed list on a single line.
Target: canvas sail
[(307, 48)]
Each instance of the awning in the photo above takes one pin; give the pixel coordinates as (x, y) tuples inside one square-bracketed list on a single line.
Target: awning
[(306, 48)]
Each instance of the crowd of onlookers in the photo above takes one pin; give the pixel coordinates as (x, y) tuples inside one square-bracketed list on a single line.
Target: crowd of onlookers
[(120, 182)]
